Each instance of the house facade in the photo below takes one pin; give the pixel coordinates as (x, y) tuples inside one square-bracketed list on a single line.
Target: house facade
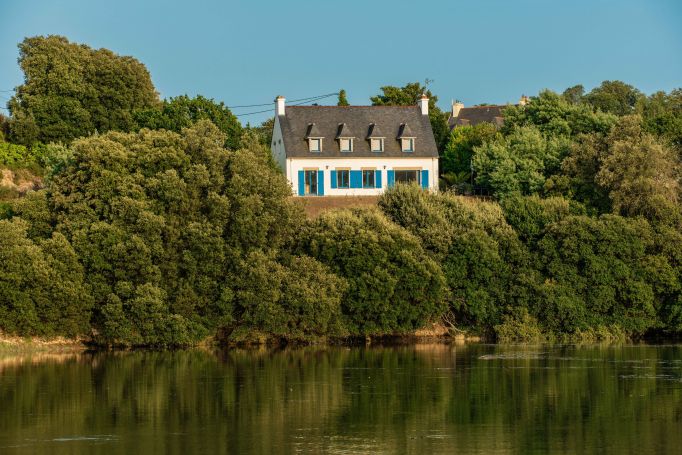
[(354, 150)]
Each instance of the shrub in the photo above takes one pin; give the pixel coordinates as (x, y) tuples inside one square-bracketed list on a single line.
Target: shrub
[(393, 286)]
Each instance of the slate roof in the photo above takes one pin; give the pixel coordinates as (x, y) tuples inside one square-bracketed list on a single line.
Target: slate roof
[(387, 122), (313, 131), (478, 114)]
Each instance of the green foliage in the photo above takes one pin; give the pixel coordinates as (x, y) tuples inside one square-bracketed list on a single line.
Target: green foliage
[(575, 94), (662, 115), (42, 290), (182, 111), (519, 163), (554, 115), (71, 90), (14, 154), (161, 222), (409, 95), (615, 97), (459, 149), (343, 101), (478, 251), (600, 272), (392, 286), (297, 301)]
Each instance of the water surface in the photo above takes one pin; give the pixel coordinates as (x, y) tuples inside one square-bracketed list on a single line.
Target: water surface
[(418, 399)]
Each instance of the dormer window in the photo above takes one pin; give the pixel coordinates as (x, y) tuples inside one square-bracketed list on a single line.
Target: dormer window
[(377, 144), (314, 138), (346, 144), (345, 137), (407, 144), (315, 144)]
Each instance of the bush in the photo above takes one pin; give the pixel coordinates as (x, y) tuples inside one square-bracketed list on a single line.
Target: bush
[(393, 287), (42, 289)]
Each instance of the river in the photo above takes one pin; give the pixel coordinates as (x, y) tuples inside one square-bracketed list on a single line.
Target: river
[(421, 399)]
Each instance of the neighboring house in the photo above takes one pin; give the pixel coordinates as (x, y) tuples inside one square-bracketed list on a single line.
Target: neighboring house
[(354, 150), (470, 116)]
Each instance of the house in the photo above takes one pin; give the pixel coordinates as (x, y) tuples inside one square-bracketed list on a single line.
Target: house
[(470, 116), (354, 150)]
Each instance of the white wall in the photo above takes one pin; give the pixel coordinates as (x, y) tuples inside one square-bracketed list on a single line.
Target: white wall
[(277, 145), (293, 165)]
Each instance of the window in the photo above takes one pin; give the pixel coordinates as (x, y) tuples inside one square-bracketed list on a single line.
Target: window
[(310, 178), (346, 144), (377, 145), (315, 144), (368, 178), (343, 178), (407, 176), (408, 144)]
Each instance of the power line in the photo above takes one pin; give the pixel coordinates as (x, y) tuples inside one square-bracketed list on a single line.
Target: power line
[(307, 100), (292, 101)]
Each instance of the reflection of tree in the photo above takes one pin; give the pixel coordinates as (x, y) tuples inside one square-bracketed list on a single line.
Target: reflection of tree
[(416, 399)]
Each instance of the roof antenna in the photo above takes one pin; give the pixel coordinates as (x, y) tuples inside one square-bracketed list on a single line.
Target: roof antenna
[(427, 81)]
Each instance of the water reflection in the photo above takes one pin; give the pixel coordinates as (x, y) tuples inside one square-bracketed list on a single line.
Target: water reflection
[(406, 399)]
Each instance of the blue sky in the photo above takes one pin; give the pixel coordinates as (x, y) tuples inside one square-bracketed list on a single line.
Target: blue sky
[(247, 52)]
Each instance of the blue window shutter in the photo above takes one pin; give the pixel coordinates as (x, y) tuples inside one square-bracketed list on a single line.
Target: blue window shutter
[(301, 183), (320, 183), (333, 178), (425, 179), (391, 178), (356, 179), (377, 178)]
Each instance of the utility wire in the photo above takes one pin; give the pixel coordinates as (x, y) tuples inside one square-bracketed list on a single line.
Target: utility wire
[(308, 100), (270, 103)]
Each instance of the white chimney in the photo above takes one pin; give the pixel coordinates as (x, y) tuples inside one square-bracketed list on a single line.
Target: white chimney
[(279, 105), (424, 104), (456, 107)]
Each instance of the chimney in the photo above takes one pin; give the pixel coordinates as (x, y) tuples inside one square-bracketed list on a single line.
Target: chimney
[(524, 100), (279, 105), (456, 107), (424, 104)]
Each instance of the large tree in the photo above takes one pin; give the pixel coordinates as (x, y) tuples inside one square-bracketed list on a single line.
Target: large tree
[(182, 111), (71, 90), (615, 97), (409, 96)]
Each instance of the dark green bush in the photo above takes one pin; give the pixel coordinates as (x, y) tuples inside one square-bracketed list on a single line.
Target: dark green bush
[(393, 286)]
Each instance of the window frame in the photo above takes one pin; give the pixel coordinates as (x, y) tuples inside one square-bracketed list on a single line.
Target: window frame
[(407, 140), (417, 174), (350, 144), (339, 181), (373, 173), (318, 140), (381, 144)]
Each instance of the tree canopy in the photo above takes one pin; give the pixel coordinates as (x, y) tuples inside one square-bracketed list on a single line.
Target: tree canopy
[(71, 90)]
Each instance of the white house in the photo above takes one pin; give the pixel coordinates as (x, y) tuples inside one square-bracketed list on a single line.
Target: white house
[(354, 150)]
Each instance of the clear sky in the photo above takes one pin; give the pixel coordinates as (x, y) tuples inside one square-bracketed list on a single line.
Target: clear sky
[(478, 51)]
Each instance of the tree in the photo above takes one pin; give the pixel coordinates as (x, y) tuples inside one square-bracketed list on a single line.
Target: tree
[(575, 94), (409, 95), (486, 266), (342, 98), (163, 223), (392, 287), (552, 114), (662, 116), (640, 174), (615, 97), (519, 163), (182, 111), (264, 131), (71, 90), (42, 289), (459, 149)]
